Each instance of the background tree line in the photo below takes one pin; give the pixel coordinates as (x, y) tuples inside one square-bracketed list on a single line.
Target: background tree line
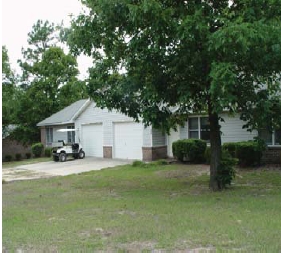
[(48, 82)]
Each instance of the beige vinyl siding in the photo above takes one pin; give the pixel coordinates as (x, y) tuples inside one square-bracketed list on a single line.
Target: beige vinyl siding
[(232, 130), (93, 114), (183, 131), (147, 136), (158, 138)]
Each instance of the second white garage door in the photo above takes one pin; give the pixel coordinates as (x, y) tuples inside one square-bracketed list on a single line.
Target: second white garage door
[(128, 139), (92, 140)]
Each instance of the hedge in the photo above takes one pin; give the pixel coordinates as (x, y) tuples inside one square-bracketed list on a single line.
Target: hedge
[(248, 153), (192, 150)]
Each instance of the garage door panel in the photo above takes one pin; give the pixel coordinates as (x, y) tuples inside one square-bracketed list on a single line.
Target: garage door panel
[(92, 140), (128, 138)]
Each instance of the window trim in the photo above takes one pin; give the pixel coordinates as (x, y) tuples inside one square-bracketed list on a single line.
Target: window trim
[(49, 135), (272, 144), (198, 130), (71, 134), (273, 140)]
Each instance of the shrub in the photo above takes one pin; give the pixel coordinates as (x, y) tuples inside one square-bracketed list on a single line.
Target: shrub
[(160, 162), (18, 157), (138, 163), (8, 158), (230, 147), (37, 149), (192, 150), (249, 153), (48, 151), (28, 155), (226, 171)]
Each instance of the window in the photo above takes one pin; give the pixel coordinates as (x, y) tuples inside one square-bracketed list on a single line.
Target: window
[(193, 128), (199, 128), (70, 135), (49, 135), (271, 138)]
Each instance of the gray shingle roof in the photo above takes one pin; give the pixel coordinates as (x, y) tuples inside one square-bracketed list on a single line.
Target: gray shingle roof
[(66, 115)]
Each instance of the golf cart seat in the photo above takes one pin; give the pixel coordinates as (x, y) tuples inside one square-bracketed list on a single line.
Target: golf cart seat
[(75, 146)]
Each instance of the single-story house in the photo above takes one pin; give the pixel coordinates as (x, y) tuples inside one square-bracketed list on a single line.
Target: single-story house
[(110, 134)]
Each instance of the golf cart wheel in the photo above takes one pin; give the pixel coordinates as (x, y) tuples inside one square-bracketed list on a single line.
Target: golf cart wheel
[(62, 157), (81, 154)]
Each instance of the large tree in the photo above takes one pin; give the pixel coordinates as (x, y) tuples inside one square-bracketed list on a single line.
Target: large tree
[(203, 56), (9, 92), (49, 81)]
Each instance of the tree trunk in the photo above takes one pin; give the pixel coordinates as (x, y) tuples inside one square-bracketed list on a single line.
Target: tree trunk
[(215, 140)]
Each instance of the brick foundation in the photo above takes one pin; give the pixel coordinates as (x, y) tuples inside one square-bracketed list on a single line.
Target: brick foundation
[(12, 147), (154, 153), (272, 155), (107, 152)]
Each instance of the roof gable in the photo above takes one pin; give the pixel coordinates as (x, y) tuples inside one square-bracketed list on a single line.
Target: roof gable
[(66, 115)]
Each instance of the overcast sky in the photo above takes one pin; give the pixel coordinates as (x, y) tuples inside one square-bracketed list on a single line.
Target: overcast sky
[(18, 17)]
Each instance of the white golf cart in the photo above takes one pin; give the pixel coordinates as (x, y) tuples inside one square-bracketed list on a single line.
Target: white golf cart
[(62, 150)]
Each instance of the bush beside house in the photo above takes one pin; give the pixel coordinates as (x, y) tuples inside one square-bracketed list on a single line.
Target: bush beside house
[(191, 150), (248, 153), (37, 149)]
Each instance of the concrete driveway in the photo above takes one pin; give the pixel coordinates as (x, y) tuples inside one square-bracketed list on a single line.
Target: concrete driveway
[(50, 169)]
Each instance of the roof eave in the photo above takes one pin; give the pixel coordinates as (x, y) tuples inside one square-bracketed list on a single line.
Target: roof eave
[(81, 109), (55, 123)]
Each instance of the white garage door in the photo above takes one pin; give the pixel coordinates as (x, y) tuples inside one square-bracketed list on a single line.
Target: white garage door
[(92, 140), (128, 138)]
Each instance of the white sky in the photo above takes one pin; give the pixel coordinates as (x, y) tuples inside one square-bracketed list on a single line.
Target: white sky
[(18, 17)]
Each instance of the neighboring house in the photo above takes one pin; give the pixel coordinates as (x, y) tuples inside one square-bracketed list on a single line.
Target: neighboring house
[(111, 134)]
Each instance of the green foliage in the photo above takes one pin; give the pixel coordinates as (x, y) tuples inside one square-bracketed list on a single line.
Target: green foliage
[(160, 162), (18, 157), (199, 56), (185, 53), (9, 93), (230, 147), (28, 155), (138, 163), (192, 150), (37, 149), (249, 153), (49, 81), (48, 151), (8, 158), (226, 171)]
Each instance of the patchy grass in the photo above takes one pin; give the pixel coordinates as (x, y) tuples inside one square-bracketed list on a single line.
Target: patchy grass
[(143, 208), (25, 161)]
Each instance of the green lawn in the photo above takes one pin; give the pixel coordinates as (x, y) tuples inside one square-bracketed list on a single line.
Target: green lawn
[(134, 208)]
